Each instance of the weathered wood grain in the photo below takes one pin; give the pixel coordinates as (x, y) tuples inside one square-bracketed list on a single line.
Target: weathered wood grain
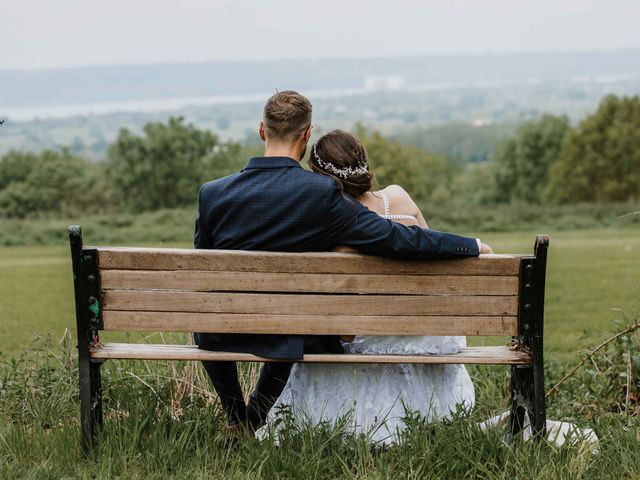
[(309, 262), (470, 355), (208, 281), (300, 304), (309, 324)]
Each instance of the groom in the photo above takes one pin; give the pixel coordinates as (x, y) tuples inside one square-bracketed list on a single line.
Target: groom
[(274, 204)]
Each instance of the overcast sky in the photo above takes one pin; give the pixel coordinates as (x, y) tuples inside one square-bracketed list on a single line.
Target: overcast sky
[(57, 33)]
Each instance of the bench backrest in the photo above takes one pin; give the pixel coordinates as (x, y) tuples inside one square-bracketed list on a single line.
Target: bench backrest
[(186, 290), (312, 293)]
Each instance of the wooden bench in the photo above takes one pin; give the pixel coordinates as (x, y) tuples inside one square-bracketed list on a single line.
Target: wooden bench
[(226, 291)]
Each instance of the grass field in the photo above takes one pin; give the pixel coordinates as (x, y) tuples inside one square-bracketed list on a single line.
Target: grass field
[(161, 418), (593, 280)]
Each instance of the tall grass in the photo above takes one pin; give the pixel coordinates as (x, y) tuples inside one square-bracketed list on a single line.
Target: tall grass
[(161, 421)]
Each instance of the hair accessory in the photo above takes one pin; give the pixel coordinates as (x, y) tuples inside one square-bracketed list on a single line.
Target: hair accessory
[(343, 172)]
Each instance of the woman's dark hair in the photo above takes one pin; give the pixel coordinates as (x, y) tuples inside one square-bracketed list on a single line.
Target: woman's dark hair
[(339, 150)]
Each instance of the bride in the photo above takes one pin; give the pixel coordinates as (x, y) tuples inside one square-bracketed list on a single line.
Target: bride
[(375, 398)]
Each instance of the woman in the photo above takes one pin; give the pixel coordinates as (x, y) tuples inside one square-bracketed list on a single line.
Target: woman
[(375, 398)]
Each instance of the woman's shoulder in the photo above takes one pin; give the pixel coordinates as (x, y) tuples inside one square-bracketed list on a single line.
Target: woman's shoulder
[(396, 192), (400, 200)]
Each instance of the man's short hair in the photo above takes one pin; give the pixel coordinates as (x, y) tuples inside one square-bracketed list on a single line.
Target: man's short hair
[(286, 116)]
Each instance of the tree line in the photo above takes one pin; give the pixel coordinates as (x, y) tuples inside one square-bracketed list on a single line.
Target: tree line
[(549, 161), (546, 161)]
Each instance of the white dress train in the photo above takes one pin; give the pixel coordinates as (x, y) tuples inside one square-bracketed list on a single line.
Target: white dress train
[(374, 397)]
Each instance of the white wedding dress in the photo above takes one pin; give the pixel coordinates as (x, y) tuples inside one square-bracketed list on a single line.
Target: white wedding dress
[(375, 398)]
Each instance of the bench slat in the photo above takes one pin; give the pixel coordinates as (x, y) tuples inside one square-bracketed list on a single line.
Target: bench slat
[(309, 324), (292, 304), (470, 355), (307, 282), (308, 262)]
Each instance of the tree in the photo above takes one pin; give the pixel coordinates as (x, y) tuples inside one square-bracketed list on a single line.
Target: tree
[(224, 159), (521, 165), (600, 160), (164, 167), (16, 166), (474, 185), (425, 176), (48, 182), (457, 141)]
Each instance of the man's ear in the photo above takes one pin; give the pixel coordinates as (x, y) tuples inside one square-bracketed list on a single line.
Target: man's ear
[(307, 134), (263, 137)]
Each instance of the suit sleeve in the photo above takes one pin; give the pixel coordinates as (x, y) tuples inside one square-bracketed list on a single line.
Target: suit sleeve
[(356, 226), (200, 237)]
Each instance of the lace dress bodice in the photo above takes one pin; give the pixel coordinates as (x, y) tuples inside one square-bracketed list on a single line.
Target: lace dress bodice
[(387, 210)]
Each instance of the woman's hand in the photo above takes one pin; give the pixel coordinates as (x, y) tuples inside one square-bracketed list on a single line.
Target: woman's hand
[(485, 248), (344, 249)]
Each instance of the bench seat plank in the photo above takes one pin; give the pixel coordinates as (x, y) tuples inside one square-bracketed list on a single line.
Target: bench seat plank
[(309, 324), (125, 258), (470, 355), (207, 281), (297, 304)]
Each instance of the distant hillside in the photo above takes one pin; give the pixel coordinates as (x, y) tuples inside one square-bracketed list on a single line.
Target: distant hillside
[(130, 83), (455, 105)]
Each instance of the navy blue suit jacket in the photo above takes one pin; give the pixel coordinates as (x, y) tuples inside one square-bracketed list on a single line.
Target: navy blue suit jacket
[(274, 204)]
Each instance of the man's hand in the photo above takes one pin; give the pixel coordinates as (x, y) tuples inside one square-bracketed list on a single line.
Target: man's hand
[(486, 248)]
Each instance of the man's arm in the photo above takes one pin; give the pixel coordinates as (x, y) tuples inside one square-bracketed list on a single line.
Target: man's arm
[(356, 226), (200, 237)]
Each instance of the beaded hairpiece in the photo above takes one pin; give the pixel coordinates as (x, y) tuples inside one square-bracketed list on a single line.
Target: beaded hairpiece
[(343, 172)]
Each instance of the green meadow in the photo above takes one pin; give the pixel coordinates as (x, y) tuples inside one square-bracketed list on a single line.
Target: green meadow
[(162, 419)]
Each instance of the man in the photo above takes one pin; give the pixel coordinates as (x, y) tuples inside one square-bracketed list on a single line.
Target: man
[(274, 204)]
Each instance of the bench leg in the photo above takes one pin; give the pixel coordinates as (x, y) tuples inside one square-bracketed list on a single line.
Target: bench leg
[(527, 382), (520, 381), (538, 408), (86, 283), (528, 396), (90, 402)]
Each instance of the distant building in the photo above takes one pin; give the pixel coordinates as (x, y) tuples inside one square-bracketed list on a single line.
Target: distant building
[(481, 121), (388, 82)]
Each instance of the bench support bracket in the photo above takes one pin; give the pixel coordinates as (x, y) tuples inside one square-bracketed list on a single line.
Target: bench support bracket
[(527, 382), (86, 282)]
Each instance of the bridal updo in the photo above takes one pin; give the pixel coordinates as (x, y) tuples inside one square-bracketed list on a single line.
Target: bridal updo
[(342, 156)]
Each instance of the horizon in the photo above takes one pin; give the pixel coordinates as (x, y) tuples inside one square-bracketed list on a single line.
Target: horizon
[(323, 58), (170, 87)]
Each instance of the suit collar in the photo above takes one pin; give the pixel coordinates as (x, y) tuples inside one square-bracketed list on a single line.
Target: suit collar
[(271, 162)]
